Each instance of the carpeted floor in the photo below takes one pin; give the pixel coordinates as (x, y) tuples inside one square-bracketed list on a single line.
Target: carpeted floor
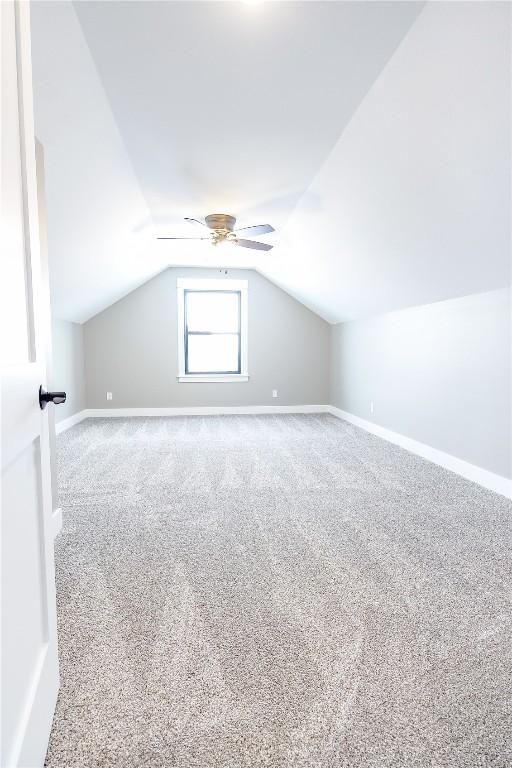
[(277, 591)]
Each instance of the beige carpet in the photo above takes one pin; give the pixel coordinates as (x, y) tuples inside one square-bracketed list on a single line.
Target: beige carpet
[(249, 592)]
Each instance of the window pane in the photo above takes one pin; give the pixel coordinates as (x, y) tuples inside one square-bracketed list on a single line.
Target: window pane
[(210, 354), (216, 312)]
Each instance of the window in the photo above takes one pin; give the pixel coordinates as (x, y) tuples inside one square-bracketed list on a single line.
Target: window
[(212, 330)]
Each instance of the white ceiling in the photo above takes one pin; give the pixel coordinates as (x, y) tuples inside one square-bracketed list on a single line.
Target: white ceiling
[(225, 107), (202, 107), (313, 116)]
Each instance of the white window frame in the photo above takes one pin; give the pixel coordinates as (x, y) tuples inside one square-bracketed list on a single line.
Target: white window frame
[(215, 284)]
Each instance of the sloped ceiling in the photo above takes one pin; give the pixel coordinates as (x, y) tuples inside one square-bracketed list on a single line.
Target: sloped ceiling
[(413, 204), (93, 198), (371, 135)]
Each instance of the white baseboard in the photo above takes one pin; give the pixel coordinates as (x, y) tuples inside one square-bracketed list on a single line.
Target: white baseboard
[(57, 521), (95, 413), (76, 418), (482, 477), (205, 410)]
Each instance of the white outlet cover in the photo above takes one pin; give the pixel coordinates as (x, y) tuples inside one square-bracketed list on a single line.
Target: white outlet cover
[(109, 395), (274, 393)]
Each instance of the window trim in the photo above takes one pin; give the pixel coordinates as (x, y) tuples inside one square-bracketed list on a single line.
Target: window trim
[(215, 284)]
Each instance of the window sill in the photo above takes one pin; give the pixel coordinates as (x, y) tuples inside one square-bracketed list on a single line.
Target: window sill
[(212, 378)]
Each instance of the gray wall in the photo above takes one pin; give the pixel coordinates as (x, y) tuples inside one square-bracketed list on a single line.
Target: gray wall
[(67, 370), (438, 373), (131, 350)]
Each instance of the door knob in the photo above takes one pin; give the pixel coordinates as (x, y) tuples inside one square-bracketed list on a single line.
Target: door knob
[(50, 397)]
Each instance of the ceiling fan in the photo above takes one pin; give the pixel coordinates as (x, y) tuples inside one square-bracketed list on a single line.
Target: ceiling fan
[(222, 230)]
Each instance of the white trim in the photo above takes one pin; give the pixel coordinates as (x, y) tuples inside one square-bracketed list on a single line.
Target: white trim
[(215, 284), (211, 284), (76, 418), (57, 521), (244, 327), (205, 410), (180, 298), (482, 477), (212, 379)]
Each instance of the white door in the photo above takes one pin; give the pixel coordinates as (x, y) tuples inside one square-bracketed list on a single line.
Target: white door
[(30, 676)]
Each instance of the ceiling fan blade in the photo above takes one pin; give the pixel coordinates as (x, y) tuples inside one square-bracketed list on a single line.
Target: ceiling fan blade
[(196, 221), (252, 244), (257, 229), (183, 238)]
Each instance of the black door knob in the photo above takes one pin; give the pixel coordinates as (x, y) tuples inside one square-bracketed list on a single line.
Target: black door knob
[(50, 397)]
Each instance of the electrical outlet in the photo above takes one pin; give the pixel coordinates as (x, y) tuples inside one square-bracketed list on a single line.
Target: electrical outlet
[(109, 395), (371, 406), (274, 393)]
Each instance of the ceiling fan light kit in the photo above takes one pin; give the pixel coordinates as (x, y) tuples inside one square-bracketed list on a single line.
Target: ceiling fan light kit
[(222, 230)]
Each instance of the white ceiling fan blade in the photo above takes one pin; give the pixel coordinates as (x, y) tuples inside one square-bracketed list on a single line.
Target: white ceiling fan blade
[(252, 244), (257, 229)]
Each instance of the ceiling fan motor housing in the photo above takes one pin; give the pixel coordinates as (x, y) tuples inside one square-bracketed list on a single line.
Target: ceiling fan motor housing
[(221, 225), (220, 221)]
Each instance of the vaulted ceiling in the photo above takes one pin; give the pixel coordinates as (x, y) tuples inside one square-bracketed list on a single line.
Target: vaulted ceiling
[(371, 136)]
